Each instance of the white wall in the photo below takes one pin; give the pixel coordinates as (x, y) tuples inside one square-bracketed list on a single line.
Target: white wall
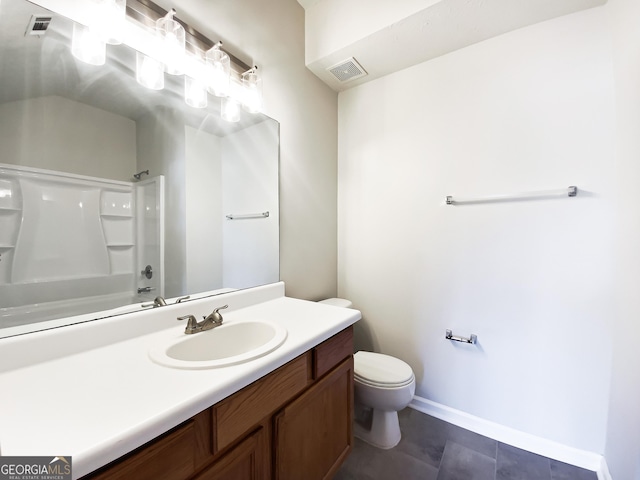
[(204, 211), (67, 136), (529, 110), (250, 170), (623, 434)]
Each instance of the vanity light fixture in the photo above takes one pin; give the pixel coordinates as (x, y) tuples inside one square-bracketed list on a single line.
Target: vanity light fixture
[(230, 109), (218, 71), (162, 42), (105, 25), (149, 72), (252, 91), (172, 39), (195, 92), (88, 45), (109, 20)]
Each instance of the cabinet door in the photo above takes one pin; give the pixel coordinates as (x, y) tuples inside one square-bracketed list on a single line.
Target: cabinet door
[(246, 461), (313, 434), (170, 457)]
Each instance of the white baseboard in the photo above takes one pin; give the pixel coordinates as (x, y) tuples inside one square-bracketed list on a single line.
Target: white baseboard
[(573, 456)]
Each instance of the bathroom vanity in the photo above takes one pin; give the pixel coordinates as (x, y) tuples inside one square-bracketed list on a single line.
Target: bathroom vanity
[(293, 423), (92, 392)]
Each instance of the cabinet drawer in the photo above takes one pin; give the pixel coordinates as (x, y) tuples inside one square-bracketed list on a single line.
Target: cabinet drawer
[(332, 351), (243, 410), (170, 457)]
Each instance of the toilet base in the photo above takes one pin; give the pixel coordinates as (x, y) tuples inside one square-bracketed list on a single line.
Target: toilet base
[(384, 432)]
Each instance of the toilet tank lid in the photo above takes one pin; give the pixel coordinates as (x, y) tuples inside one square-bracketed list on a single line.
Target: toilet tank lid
[(381, 369), (337, 302)]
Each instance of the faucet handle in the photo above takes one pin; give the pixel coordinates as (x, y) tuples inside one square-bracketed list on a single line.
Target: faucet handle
[(192, 323), (215, 316), (220, 308), (157, 302)]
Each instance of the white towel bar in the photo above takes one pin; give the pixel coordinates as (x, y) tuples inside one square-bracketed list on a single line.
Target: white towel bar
[(231, 216), (571, 191)]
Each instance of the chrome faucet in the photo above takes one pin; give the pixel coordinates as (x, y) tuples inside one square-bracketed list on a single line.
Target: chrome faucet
[(213, 320)]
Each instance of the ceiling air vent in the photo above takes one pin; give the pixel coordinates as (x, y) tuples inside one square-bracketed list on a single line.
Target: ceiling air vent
[(347, 70), (38, 25)]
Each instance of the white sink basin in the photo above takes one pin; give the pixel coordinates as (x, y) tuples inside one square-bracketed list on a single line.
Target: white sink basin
[(229, 344)]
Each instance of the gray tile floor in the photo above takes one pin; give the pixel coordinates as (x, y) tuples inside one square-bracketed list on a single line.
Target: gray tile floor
[(432, 449)]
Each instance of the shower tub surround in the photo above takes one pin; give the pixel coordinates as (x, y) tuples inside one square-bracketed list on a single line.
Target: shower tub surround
[(69, 244), (90, 391)]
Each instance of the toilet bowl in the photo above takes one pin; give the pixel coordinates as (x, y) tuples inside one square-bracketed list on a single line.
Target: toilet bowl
[(386, 385), (383, 385)]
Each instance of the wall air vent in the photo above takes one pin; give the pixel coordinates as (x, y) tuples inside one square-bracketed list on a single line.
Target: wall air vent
[(38, 25), (347, 70)]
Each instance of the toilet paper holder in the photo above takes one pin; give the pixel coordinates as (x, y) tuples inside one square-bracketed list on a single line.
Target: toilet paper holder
[(450, 336)]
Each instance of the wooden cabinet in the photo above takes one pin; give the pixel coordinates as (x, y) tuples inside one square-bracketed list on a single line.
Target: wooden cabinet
[(168, 457), (293, 423), (241, 411), (247, 461), (312, 434), (176, 455)]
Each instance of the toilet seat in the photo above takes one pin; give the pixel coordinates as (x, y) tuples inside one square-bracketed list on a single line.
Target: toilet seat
[(384, 385), (383, 371)]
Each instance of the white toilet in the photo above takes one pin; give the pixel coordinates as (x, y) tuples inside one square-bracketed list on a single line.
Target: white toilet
[(383, 385)]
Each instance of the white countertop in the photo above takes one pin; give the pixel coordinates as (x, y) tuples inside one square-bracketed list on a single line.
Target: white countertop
[(91, 392)]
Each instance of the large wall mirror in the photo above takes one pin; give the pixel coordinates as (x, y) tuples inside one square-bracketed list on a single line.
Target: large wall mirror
[(112, 194)]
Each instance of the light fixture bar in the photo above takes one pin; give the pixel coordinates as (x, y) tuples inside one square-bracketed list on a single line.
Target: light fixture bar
[(147, 12)]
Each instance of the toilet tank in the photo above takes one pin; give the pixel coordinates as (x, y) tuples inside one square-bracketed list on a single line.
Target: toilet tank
[(337, 302)]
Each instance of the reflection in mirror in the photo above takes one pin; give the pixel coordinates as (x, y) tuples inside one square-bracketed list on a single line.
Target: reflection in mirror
[(112, 194)]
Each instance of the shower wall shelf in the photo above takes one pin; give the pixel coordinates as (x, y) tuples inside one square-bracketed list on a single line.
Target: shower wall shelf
[(10, 219), (571, 191), (118, 225)]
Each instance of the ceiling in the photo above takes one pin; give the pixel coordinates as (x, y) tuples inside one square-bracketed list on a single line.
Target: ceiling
[(384, 41), (308, 3)]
